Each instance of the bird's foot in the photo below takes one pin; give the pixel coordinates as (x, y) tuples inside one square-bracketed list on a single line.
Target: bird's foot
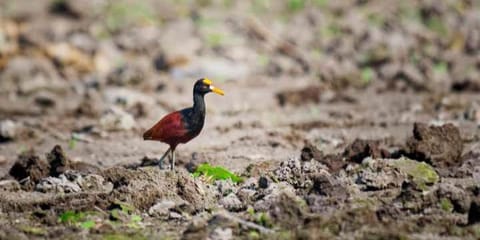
[(160, 164)]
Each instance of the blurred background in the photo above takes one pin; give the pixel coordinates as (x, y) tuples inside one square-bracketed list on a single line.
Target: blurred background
[(92, 75)]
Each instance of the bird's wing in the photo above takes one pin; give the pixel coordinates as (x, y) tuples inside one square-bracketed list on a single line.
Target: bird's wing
[(170, 126)]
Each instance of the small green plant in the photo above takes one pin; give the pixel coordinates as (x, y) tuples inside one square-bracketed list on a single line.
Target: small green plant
[(123, 212), (253, 235), (440, 68), (71, 217), (251, 211), (437, 25), (216, 173), (295, 5), (446, 205), (79, 219), (264, 219), (422, 174), (87, 224), (72, 143), (215, 39), (367, 75)]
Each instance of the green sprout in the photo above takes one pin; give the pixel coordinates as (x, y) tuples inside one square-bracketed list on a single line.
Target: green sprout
[(79, 219), (216, 173)]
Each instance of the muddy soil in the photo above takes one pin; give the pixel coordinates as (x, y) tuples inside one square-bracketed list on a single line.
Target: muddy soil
[(345, 119)]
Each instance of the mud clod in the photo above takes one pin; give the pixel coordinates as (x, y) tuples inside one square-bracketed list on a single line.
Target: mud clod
[(326, 185), (474, 212), (379, 174), (29, 169), (288, 210), (155, 185), (333, 161), (360, 149), (59, 162), (440, 146)]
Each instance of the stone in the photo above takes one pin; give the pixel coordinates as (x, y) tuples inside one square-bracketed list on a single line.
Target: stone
[(231, 203), (220, 233), (8, 130), (116, 119), (161, 209)]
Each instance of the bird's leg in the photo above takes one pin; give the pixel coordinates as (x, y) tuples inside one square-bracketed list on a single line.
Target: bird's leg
[(172, 163), (160, 162), (173, 160)]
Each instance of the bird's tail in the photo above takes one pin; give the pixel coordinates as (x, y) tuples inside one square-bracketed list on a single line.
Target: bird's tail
[(148, 134)]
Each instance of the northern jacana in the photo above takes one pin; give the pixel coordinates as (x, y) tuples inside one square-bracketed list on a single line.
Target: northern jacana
[(183, 125)]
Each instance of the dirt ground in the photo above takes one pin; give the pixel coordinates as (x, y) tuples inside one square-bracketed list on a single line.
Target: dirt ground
[(346, 119)]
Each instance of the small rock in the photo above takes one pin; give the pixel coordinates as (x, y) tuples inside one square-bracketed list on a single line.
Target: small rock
[(45, 100), (8, 130), (69, 55), (115, 119), (474, 212), (57, 185), (472, 112), (225, 187), (175, 215), (231, 202), (441, 146), (267, 197), (126, 75), (263, 182), (197, 229), (309, 152), (161, 209), (378, 174), (324, 184), (298, 173), (287, 210), (220, 233), (126, 97), (9, 185), (246, 195), (141, 39)]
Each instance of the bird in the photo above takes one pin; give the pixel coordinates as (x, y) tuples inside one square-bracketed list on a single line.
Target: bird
[(183, 125)]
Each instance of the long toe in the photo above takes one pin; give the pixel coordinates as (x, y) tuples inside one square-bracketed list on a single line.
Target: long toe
[(160, 164)]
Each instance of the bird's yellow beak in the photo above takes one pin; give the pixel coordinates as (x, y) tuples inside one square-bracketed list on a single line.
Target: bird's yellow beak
[(217, 90), (213, 88)]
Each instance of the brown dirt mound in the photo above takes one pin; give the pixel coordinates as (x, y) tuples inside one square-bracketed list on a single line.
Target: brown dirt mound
[(29, 169), (146, 186), (360, 149), (441, 146)]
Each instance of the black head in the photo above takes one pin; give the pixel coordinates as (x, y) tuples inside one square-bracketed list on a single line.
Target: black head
[(204, 86)]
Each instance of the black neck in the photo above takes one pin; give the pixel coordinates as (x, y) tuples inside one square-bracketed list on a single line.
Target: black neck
[(198, 105)]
